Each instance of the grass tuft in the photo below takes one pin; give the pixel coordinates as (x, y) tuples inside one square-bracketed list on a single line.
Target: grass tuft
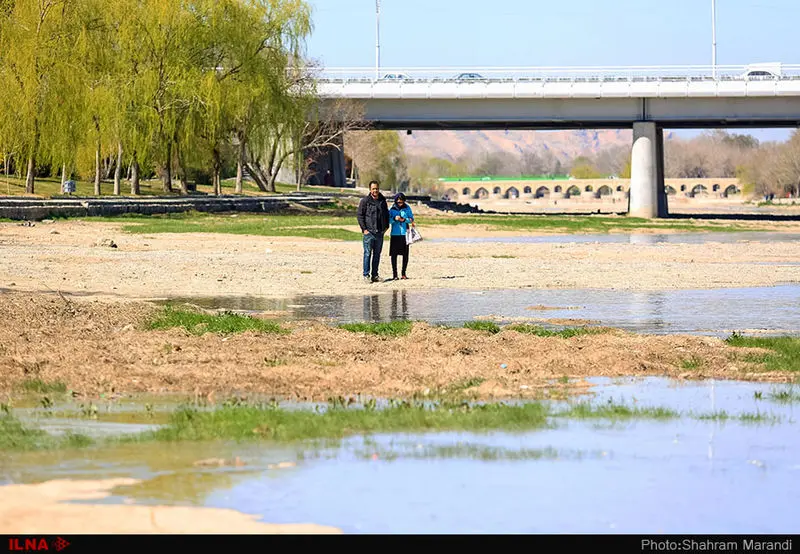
[(42, 387), (198, 323), (611, 410), (567, 333), (487, 326), (14, 436), (390, 329), (785, 355), (254, 422)]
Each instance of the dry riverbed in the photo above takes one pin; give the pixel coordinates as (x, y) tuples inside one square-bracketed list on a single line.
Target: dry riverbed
[(95, 347), (69, 256)]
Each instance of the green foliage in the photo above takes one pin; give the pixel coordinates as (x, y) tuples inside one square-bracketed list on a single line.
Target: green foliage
[(199, 323), (563, 333), (171, 82), (390, 329), (486, 326), (784, 355)]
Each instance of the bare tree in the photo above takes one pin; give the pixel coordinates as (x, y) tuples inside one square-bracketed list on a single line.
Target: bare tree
[(324, 127)]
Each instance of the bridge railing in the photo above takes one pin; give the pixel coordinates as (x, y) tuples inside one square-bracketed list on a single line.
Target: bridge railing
[(569, 74)]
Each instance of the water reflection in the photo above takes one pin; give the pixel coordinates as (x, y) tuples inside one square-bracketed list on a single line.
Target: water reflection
[(644, 238), (715, 312)]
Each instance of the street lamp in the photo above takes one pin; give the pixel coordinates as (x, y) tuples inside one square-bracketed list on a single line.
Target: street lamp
[(377, 38), (714, 38)]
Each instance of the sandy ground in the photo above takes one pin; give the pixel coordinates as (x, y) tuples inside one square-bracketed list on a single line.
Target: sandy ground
[(45, 509), (62, 256), (94, 348)]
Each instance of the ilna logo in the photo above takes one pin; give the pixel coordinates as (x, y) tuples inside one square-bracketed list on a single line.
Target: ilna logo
[(36, 544)]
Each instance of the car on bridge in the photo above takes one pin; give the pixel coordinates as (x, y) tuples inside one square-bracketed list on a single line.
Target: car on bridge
[(470, 77), (763, 70), (395, 77)]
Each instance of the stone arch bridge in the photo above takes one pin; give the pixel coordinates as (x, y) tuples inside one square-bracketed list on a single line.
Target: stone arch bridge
[(467, 190)]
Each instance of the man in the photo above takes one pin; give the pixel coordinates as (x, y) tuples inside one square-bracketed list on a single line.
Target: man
[(373, 218)]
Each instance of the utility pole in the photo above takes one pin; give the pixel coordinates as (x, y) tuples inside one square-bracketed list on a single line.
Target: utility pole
[(377, 39), (714, 38)]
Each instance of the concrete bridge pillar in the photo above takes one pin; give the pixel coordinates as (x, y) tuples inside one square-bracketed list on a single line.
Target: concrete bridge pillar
[(648, 197)]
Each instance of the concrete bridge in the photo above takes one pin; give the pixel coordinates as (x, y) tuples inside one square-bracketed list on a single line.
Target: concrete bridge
[(647, 99)]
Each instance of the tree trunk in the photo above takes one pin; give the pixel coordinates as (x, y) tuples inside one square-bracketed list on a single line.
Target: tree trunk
[(216, 178), (240, 168), (29, 184), (118, 171), (166, 176), (97, 170), (135, 190), (63, 175), (258, 176), (181, 170), (5, 166)]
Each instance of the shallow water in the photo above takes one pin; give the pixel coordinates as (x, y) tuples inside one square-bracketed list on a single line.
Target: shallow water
[(640, 238), (714, 312), (596, 476)]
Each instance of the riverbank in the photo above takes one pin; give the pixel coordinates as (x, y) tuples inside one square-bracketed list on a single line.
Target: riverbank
[(48, 509), (95, 348)]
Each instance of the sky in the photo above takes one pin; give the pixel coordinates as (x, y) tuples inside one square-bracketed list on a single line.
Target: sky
[(502, 33)]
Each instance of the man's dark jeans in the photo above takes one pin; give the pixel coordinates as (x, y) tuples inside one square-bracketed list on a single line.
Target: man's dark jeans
[(373, 244)]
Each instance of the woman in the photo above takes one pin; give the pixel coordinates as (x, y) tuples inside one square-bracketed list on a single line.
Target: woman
[(400, 215)]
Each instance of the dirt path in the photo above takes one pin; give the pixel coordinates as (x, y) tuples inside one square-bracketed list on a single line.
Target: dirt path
[(62, 257), (45, 509)]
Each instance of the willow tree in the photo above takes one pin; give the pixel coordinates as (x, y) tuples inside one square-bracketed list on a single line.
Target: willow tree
[(37, 38)]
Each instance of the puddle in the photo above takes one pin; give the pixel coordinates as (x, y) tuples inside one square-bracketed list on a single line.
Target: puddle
[(644, 238), (673, 476), (713, 312)]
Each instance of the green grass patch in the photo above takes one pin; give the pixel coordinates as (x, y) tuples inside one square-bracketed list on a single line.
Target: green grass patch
[(566, 333), (692, 363), (747, 417), (611, 410), (786, 396), (198, 323), (485, 326), (253, 422), (580, 224), (14, 436), (390, 329), (42, 387), (320, 226), (785, 355)]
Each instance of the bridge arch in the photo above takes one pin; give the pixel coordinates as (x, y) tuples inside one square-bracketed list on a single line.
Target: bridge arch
[(620, 188), (573, 191), (604, 190), (527, 190), (670, 190), (466, 191), (588, 188), (497, 190), (731, 190), (512, 193), (558, 189), (683, 188), (699, 190), (543, 192), (451, 194), (481, 193), (715, 188)]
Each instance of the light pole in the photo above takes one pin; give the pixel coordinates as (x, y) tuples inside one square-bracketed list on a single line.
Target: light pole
[(714, 38), (377, 38)]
